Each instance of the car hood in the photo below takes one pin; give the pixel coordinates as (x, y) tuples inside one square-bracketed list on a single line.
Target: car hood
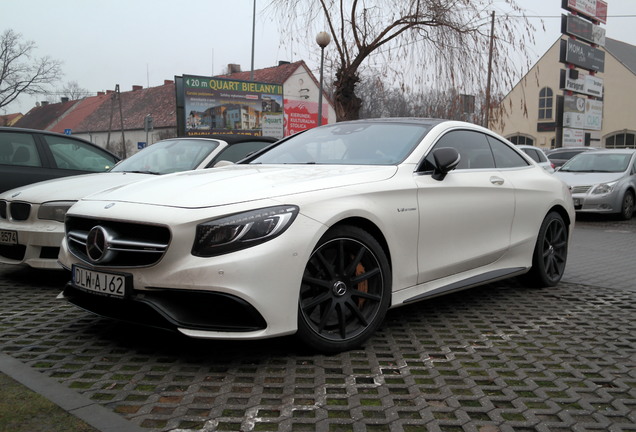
[(71, 188), (242, 183), (587, 178)]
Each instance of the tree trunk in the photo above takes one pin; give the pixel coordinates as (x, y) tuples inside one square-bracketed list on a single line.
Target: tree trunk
[(347, 104)]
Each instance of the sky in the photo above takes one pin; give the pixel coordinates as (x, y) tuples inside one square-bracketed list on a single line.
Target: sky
[(144, 42)]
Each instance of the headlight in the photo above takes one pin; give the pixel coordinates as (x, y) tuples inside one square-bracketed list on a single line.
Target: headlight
[(55, 210), (603, 188), (242, 230)]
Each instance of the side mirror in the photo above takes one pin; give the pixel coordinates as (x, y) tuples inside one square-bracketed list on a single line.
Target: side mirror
[(446, 160)]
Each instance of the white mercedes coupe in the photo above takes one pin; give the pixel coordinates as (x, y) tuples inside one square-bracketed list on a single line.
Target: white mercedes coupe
[(320, 234)]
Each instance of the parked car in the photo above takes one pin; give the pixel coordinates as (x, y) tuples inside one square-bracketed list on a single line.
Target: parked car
[(561, 155), (29, 156), (602, 181), (538, 156), (319, 234), (32, 216)]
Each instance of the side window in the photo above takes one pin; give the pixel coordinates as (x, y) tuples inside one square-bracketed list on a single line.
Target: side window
[(535, 155), (505, 156), (238, 151), (76, 155), (472, 146), (18, 149)]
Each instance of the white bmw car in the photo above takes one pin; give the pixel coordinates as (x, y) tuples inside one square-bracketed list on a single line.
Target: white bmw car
[(320, 234), (32, 216)]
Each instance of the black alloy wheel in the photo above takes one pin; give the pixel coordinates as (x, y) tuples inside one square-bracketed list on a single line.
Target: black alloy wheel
[(550, 252), (345, 291)]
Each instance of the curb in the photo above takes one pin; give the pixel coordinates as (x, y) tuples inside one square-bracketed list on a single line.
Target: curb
[(74, 403)]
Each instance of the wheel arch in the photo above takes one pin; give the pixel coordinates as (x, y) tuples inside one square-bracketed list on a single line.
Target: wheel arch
[(562, 212), (372, 229)]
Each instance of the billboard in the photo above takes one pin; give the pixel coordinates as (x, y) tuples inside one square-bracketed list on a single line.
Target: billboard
[(582, 55), (582, 113), (593, 9), (303, 114), (579, 82), (582, 29), (222, 106)]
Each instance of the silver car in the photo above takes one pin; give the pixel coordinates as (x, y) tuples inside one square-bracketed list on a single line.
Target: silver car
[(602, 181)]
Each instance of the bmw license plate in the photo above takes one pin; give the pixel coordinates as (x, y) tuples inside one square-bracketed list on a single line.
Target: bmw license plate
[(8, 237), (104, 283)]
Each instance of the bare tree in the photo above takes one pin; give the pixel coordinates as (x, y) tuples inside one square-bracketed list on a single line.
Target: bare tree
[(20, 72), (434, 43), (73, 91)]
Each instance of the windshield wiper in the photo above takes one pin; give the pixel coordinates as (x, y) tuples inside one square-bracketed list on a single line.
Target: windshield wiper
[(144, 172)]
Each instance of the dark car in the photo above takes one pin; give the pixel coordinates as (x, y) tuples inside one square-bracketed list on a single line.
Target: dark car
[(28, 156), (559, 156)]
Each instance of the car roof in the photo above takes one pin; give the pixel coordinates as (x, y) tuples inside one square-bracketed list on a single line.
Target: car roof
[(615, 151), (39, 131), (413, 120)]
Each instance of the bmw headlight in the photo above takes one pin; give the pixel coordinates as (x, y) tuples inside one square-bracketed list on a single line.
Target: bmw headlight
[(55, 210), (242, 230), (604, 188)]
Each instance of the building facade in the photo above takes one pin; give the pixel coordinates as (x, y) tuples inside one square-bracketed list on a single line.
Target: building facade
[(529, 112)]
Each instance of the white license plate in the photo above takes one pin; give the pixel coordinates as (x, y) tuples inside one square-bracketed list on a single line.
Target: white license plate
[(8, 237), (104, 283)]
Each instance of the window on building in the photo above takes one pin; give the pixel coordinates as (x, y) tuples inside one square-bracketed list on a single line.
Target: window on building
[(521, 139), (546, 103), (625, 139)]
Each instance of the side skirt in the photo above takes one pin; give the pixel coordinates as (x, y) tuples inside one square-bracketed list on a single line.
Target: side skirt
[(481, 279)]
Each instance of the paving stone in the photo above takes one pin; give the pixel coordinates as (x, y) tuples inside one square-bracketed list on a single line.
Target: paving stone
[(495, 358)]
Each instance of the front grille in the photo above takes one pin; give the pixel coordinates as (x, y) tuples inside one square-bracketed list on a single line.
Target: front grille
[(19, 211), (131, 245), (3, 209), (580, 189)]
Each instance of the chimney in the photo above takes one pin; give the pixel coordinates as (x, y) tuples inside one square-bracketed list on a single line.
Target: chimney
[(167, 82), (282, 62), (64, 99), (137, 87), (233, 68), (101, 93), (45, 103)]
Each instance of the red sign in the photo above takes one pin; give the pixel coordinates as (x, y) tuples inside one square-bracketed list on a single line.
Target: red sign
[(301, 115), (594, 9)]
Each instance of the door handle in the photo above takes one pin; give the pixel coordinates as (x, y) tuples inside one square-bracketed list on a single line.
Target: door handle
[(496, 180)]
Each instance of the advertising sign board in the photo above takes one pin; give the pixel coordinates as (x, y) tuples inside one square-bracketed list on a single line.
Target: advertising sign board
[(585, 84), (222, 106), (593, 9), (301, 115), (573, 137), (582, 55), (582, 29), (582, 113)]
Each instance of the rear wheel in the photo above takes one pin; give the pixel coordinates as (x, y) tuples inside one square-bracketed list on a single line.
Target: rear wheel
[(345, 291), (550, 252), (627, 207)]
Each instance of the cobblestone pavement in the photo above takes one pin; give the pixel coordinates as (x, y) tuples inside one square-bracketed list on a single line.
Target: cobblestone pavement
[(496, 358)]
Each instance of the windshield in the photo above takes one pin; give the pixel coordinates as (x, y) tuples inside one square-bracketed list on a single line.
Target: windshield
[(357, 143), (168, 156), (594, 162)]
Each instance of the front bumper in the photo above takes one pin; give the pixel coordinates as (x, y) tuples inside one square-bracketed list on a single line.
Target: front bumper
[(38, 244), (600, 203), (248, 294)]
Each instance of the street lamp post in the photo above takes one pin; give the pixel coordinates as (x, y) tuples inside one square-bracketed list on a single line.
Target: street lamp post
[(322, 40)]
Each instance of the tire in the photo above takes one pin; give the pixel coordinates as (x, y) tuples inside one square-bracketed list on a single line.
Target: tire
[(627, 206), (345, 291), (550, 253)]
